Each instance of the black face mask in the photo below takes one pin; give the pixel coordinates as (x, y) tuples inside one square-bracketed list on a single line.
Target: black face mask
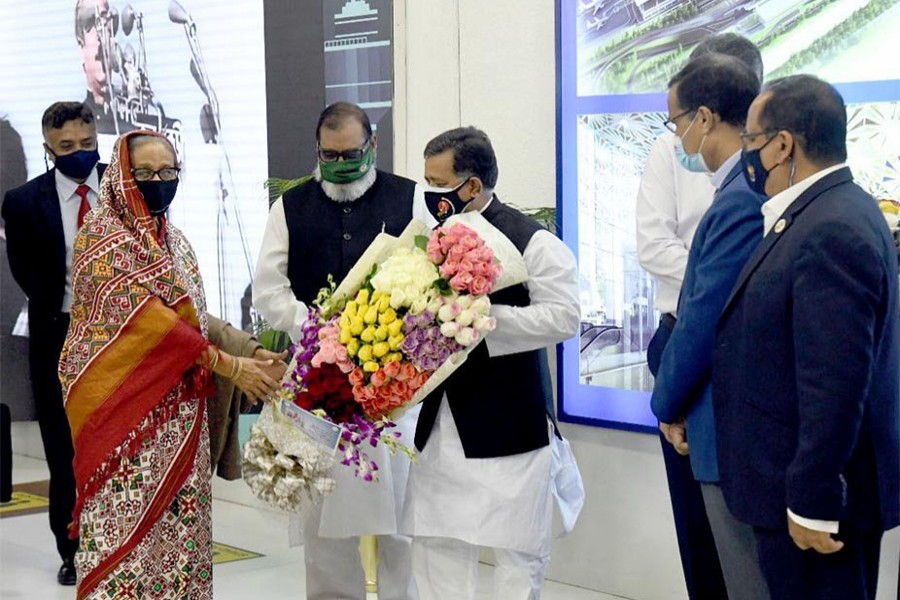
[(443, 203), (158, 195), (77, 165)]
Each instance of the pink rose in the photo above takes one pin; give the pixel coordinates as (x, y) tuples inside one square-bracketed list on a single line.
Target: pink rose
[(357, 377), (392, 369), (479, 285), (461, 281), (407, 371), (378, 378)]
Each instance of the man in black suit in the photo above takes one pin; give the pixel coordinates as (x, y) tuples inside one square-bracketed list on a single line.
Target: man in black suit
[(806, 374), (41, 218)]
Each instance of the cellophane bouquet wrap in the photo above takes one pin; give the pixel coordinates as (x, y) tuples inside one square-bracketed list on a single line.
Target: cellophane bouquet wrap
[(402, 320)]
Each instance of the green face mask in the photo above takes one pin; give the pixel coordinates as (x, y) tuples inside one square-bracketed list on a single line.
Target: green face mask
[(347, 171)]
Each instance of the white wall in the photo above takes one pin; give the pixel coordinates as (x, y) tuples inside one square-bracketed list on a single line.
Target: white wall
[(491, 63)]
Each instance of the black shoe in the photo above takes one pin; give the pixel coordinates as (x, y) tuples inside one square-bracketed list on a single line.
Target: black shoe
[(66, 575)]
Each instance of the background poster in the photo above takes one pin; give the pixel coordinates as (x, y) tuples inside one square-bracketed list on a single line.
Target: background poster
[(615, 60)]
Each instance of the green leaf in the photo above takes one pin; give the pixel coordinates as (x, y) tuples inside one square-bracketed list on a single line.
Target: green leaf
[(278, 187), (422, 242)]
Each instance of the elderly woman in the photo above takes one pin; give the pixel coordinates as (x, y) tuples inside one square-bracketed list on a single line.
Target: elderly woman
[(136, 373)]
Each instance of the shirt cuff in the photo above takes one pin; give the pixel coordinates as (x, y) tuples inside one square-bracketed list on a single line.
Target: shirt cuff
[(814, 524)]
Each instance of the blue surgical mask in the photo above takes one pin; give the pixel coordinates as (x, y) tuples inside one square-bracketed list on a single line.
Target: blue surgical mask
[(692, 162), (443, 203), (77, 165)]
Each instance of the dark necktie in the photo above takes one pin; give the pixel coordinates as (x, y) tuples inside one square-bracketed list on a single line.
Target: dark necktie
[(85, 207)]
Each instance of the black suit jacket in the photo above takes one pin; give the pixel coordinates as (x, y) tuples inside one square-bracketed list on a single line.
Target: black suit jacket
[(35, 245), (806, 375)]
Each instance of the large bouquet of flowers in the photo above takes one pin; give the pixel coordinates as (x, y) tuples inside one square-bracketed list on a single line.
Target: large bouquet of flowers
[(402, 320)]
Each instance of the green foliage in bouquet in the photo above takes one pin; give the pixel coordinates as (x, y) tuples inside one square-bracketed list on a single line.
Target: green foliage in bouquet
[(278, 187), (545, 215), (271, 339)]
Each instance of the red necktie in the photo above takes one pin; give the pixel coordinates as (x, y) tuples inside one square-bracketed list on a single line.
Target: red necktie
[(85, 207)]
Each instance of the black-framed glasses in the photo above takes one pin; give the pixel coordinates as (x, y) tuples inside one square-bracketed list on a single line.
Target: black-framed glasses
[(165, 174), (333, 155), (747, 137), (670, 124)]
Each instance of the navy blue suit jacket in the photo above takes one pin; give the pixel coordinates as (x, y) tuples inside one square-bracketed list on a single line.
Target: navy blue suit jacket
[(36, 245), (806, 373), (725, 238)]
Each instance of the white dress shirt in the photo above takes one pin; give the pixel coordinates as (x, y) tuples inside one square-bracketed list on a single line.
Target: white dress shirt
[(718, 178), (775, 206), (670, 203), (69, 204)]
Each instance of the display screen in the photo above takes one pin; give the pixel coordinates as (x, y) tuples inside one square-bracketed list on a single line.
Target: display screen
[(615, 58), (193, 70)]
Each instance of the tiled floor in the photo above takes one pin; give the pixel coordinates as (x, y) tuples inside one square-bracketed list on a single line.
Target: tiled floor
[(28, 561)]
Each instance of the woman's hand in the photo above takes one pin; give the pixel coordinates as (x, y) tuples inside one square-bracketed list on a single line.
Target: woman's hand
[(257, 378)]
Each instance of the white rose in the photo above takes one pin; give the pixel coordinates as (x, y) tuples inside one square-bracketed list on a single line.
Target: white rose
[(466, 317), (450, 329), (465, 301), (419, 305), (445, 313), (398, 297), (482, 323), (466, 336), (481, 305)]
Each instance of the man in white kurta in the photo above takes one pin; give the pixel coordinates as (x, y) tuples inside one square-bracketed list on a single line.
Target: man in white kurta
[(469, 490), (321, 228)]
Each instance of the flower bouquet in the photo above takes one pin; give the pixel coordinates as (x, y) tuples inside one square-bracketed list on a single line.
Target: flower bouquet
[(402, 320)]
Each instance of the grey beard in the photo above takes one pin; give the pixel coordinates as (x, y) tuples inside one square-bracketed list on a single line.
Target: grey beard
[(346, 192)]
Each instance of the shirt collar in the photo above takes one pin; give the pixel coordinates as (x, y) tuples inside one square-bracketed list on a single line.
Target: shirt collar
[(66, 187), (773, 208), (722, 172)]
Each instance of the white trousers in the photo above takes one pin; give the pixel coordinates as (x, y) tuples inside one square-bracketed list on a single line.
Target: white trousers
[(447, 569), (334, 569)]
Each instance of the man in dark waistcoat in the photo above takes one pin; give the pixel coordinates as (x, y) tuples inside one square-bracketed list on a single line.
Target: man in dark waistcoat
[(482, 477), (319, 228)]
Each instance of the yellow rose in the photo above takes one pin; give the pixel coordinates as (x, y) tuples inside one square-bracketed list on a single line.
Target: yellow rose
[(368, 334), (362, 297), (353, 347), (393, 357), (394, 341), (370, 367), (365, 353), (350, 309), (384, 303), (381, 333), (345, 335), (387, 317), (395, 328), (371, 315), (356, 325), (380, 349)]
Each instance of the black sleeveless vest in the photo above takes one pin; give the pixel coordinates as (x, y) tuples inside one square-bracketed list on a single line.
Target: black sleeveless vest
[(328, 237), (499, 404)]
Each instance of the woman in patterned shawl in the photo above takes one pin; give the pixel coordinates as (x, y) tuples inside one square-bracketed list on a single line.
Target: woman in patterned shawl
[(135, 370)]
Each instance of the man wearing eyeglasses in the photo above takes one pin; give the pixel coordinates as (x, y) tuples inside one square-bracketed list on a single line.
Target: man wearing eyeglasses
[(709, 99), (670, 203), (805, 374), (322, 227), (42, 218)]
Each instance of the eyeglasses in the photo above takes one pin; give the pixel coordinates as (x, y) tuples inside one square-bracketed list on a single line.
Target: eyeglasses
[(670, 124), (166, 174), (333, 155), (747, 137)]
